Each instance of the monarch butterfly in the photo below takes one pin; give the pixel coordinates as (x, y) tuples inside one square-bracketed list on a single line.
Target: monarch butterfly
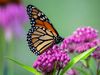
[(42, 34)]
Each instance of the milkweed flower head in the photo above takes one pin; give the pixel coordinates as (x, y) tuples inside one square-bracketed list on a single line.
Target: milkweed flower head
[(47, 61), (81, 40), (12, 17)]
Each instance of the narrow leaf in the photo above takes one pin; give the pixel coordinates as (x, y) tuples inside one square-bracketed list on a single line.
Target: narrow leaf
[(76, 59), (30, 69)]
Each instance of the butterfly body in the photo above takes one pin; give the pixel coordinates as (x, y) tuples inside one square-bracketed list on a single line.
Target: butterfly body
[(42, 34)]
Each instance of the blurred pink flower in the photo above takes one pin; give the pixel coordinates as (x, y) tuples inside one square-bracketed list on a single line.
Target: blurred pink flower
[(12, 17), (72, 72), (96, 53)]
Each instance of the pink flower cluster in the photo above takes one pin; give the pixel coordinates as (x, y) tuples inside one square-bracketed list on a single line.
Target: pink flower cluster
[(52, 57), (81, 40)]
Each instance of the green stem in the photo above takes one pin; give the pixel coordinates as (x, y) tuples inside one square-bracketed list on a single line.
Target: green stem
[(88, 66), (91, 72), (8, 67), (1, 51), (58, 71), (10, 54), (5, 53), (98, 65), (47, 73)]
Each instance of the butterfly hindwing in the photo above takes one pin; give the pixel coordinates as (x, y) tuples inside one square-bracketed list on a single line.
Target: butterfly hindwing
[(39, 39)]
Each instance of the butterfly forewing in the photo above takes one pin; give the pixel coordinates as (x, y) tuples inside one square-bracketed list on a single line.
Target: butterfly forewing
[(35, 14), (38, 18)]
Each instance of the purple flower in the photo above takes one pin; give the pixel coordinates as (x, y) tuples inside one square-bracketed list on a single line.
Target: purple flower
[(81, 40), (72, 72), (96, 53), (85, 34), (12, 17), (68, 45), (51, 58)]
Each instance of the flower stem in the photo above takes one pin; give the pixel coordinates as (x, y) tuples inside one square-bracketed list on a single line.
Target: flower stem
[(2, 46), (5, 71), (98, 65), (58, 71), (88, 66), (8, 67), (47, 73)]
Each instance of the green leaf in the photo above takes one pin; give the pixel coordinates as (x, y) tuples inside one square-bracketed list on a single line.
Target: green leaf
[(76, 59), (83, 63), (30, 69)]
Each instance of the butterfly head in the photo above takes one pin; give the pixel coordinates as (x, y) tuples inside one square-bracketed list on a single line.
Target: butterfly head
[(59, 39)]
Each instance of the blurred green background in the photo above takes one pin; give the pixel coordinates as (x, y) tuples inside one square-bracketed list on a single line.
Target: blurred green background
[(66, 16)]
